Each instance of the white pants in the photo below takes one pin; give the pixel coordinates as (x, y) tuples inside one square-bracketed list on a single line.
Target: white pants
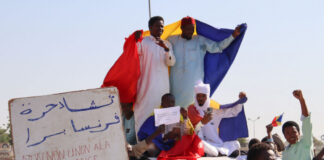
[(212, 149)]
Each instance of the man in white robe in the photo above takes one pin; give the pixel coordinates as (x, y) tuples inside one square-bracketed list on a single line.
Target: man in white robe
[(190, 51), (207, 128), (155, 56)]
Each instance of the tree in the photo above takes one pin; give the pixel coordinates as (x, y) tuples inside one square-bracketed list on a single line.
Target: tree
[(5, 134)]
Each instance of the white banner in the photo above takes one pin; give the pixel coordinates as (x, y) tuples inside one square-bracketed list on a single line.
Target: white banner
[(166, 116)]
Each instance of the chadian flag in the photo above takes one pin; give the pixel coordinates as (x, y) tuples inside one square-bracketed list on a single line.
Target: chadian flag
[(125, 72), (215, 67), (277, 121)]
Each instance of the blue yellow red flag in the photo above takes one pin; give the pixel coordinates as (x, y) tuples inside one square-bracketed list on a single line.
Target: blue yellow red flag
[(277, 121)]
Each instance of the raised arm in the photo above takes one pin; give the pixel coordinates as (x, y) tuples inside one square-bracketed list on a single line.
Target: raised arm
[(233, 109), (138, 37), (299, 95), (307, 138), (217, 47), (269, 134)]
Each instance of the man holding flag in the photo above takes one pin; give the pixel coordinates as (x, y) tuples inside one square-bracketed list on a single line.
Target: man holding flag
[(208, 127), (155, 56), (141, 72), (146, 76), (190, 50)]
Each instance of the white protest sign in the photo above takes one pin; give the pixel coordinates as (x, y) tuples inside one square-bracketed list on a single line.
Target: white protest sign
[(80, 125), (167, 116)]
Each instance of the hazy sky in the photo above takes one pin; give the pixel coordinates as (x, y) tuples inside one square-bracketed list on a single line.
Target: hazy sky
[(51, 46)]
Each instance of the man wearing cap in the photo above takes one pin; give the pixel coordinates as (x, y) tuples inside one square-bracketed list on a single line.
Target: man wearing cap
[(206, 121), (189, 50)]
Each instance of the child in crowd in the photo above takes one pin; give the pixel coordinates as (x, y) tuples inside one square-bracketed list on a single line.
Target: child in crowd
[(261, 151), (299, 148)]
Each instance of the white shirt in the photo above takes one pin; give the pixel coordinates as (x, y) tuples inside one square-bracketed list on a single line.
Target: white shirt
[(189, 68), (153, 82), (210, 130)]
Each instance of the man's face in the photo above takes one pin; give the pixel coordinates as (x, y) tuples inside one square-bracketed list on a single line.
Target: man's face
[(126, 108), (201, 98), (291, 134), (157, 29), (187, 31), (168, 102), (267, 155)]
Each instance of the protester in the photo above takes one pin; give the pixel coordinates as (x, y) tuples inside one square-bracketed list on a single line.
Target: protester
[(253, 141), (261, 151), (207, 125), (189, 51), (299, 147), (320, 155), (148, 127), (155, 56), (129, 123), (173, 143), (269, 140), (136, 151)]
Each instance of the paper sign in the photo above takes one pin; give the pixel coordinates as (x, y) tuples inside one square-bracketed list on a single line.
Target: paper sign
[(81, 125), (167, 116)]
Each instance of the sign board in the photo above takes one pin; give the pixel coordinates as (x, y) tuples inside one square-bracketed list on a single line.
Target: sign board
[(166, 116), (80, 125)]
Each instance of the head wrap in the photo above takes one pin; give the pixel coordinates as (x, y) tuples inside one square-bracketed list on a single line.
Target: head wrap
[(187, 20), (200, 87)]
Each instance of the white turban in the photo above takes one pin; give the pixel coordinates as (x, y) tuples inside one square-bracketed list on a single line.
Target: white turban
[(204, 89)]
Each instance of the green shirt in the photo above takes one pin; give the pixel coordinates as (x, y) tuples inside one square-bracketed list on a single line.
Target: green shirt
[(303, 149), (129, 129)]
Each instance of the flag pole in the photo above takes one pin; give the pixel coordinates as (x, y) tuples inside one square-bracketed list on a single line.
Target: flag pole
[(149, 2)]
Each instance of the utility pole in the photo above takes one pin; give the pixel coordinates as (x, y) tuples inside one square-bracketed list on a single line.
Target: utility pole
[(253, 120), (149, 2)]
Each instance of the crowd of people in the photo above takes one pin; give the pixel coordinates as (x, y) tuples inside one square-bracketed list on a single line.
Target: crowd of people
[(300, 146), (198, 132)]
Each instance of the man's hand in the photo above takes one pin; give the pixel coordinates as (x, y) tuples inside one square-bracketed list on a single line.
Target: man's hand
[(160, 129), (269, 128), (161, 43), (207, 117), (184, 113), (298, 94), (175, 133), (237, 31), (138, 35), (242, 95)]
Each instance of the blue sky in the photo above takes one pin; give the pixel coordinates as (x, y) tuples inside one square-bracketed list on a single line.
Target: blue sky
[(64, 45)]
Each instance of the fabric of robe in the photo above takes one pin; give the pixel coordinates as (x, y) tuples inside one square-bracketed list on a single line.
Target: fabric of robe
[(153, 82), (209, 133), (189, 68)]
